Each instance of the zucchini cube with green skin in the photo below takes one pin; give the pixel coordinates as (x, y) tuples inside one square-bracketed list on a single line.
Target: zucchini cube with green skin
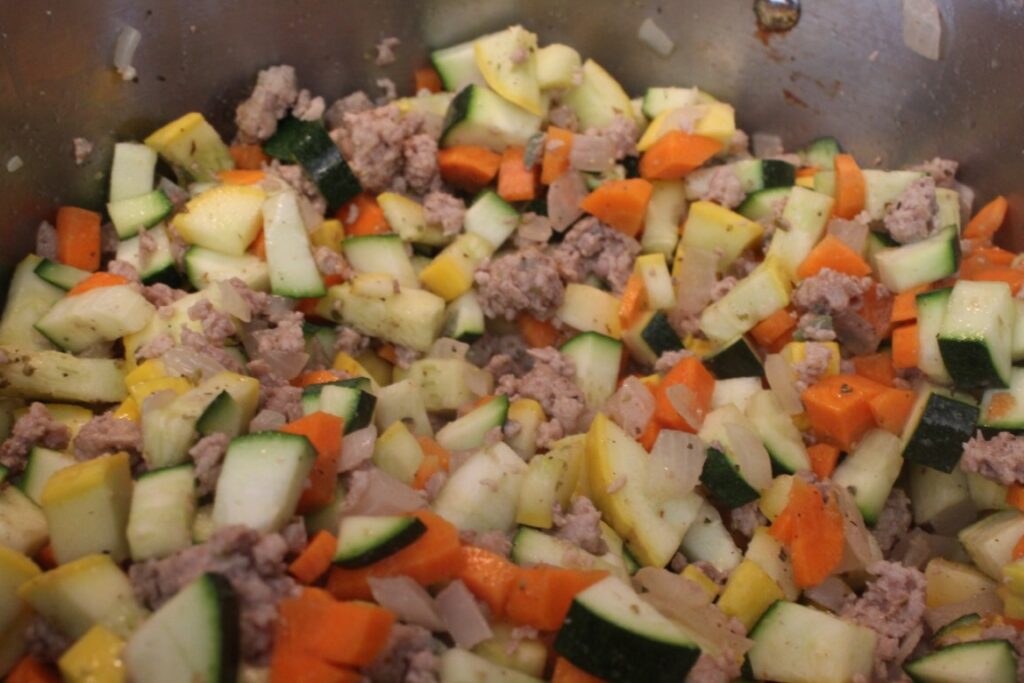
[(612, 633), (86, 507), (293, 271), (936, 430), (506, 648), (90, 590), (482, 495), (798, 644), (753, 299), (29, 297), (470, 430), (22, 523), (736, 358), (363, 540), (444, 383), (462, 665), (938, 498), (870, 471), (596, 358), (194, 636), (410, 317), (905, 267), (262, 479), (225, 219), (397, 453), (42, 463), (162, 512), (977, 333), (478, 116), (989, 542), (991, 661), (598, 98), (650, 336), (807, 212), (99, 315), (192, 144)]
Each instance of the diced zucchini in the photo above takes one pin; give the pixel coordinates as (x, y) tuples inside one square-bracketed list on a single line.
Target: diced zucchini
[(483, 493), (410, 317), (478, 116), (444, 383), (590, 309), (308, 144), (406, 217), (979, 661), (736, 358), (931, 314), (456, 65), (158, 264), (144, 211), (206, 266), (192, 145), (883, 188), (539, 491), (596, 358), (470, 430), (754, 298), (806, 213), (650, 336), (29, 297), (820, 152), (381, 254), (23, 525), (162, 512), (499, 59), (598, 98), (936, 430), (919, 263), (781, 438), (870, 471), (990, 541), (293, 271), (225, 219), (397, 452), (976, 334), (707, 539), (492, 218), (663, 217), (51, 375), (354, 406), (363, 540), (131, 172), (42, 464), (59, 274), (939, 499), (464, 318), (99, 315), (716, 228)]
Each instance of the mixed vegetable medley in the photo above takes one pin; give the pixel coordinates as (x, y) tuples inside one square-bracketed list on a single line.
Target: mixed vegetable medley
[(514, 379)]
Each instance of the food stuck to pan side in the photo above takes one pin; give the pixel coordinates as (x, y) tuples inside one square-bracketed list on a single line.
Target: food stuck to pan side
[(515, 379)]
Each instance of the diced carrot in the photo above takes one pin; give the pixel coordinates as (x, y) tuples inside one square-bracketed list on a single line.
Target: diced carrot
[(427, 78), (850, 187), (622, 204), (892, 407), (875, 366), (537, 333), (259, 245), (541, 596), (807, 171), (783, 526), (468, 167), (346, 633), (488, 576), (906, 347), (816, 546), (566, 672), (294, 665), (312, 377), (315, 560), (691, 373), (996, 256), (833, 253), (248, 157), (650, 434), (324, 432), (839, 409), (432, 558), (516, 183), (634, 299), (1018, 549), (388, 353), (824, 457), (241, 176), (904, 305), (436, 458), (97, 280), (1015, 495), (772, 328), (45, 557), (676, 154), (988, 220), (30, 670), (362, 215), (1001, 404), (1011, 276), (876, 310), (555, 160), (78, 238)]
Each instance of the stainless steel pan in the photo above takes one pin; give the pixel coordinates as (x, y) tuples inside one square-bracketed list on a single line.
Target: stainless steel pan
[(843, 70)]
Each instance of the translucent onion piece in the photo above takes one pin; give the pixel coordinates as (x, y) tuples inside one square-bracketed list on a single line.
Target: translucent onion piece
[(357, 448), (697, 277), (922, 27), (830, 593), (984, 602), (564, 197), (446, 347), (409, 601), (651, 35), (631, 406), (684, 401), (751, 456), (780, 379), (592, 153), (677, 460), (182, 361), (14, 164), (462, 615), (231, 302), (860, 548), (372, 492), (124, 51)]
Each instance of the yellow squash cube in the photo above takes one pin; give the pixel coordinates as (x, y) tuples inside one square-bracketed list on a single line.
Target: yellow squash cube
[(94, 658), (749, 592)]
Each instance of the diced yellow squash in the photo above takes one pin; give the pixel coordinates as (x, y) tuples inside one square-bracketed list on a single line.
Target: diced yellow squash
[(1013, 604), (590, 309), (796, 352), (698, 346), (346, 363), (748, 593), (142, 390), (775, 498), (498, 57), (406, 217), (78, 595), (572, 449), (193, 145), (15, 570), (379, 369), (806, 181), (94, 658), (147, 370), (450, 274), (695, 574), (329, 234), (22, 523), (409, 317), (528, 415), (1013, 577), (753, 299), (86, 507), (950, 582), (225, 219), (128, 410), (718, 122), (715, 228), (398, 453)]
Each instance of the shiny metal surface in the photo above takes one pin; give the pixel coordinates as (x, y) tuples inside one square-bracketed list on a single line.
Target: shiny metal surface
[(843, 70)]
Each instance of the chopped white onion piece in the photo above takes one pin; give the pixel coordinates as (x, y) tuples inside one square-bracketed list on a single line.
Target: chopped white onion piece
[(124, 51), (231, 301), (984, 602), (564, 197), (462, 615), (860, 549), (14, 163), (408, 600), (479, 381), (780, 379), (763, 145), (446, 347), (922, 27), (750, 454), (373, 492), (631, 406), (592, 153), (357, 448), (684, 401), (677, 460), (182, 361), (651, 35), (830, 593), (697, 277)]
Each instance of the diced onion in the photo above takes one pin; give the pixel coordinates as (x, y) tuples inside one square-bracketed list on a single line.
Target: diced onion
[(479, 381), (535, 228), (922, 27), (780, 379), (674, 469), (684, 401), (853, 234), (697, 277), (357, 448), (592, 153), (231, 301), (408, 600), (860, 549), (983, 602), (631, 406), (181, 361), (751, 455), (685, 602), (764, 145), (830, 593), (124, 51), (462, 615), (374, 492), (14, 163), (564, 197), (286, 364), (651, 35), (446, 347)]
